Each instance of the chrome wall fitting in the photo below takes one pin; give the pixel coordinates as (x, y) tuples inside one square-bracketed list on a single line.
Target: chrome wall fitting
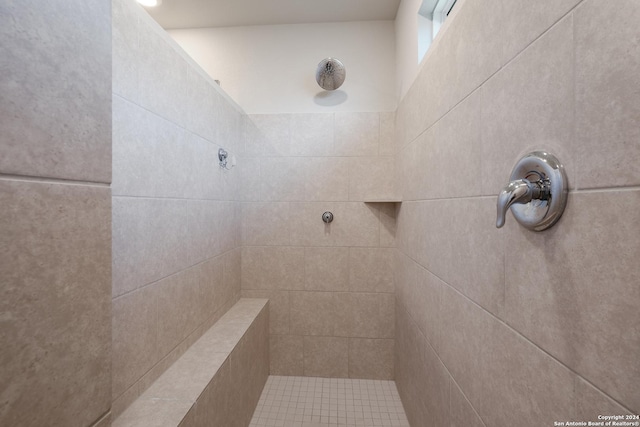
[(330, 74), (537, 193), (327, 217), (222, 156)]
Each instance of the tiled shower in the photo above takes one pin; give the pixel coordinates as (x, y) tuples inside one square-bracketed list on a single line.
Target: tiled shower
[(123, 241)]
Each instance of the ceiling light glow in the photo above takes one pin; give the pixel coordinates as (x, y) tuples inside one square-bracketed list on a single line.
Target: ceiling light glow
[(150, 3)]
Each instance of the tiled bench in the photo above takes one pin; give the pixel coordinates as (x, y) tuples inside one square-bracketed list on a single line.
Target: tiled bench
[(217, 381)]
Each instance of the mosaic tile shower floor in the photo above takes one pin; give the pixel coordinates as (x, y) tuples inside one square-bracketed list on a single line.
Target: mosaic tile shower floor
[(328, 402)]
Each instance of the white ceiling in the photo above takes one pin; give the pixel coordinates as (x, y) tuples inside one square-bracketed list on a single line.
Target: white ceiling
[(172, 14)]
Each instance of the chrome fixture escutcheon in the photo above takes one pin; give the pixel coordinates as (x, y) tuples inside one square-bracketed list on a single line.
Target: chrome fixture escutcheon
[(327, 217), (537, 193)]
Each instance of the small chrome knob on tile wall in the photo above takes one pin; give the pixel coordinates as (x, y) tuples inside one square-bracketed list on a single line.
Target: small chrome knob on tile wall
[(327, 217)]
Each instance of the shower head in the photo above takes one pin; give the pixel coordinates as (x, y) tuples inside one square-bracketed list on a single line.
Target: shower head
[(330, 74)]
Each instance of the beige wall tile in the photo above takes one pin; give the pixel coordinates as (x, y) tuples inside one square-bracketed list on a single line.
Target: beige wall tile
[(434, 390), (206, 234), (372, 178), (409, 366), (422, 379), (454, 140), (55, 300), (273, 137), (420, 293), (404, 276), (371, 269), (412, 177), (251, 140), (228, 122), (502, 374), (179, 308), (230, 224), (458, 242), (55, 121), (249, 372), (403, 111), (364, 315), (524, 21), (411, 231), (357, 134), (282, 179), (162, 82), (155, 157), (250, 179), (425, 102), (462, 413), (156, 238), (204, 107), (205, 178), (125, 49), (149, 156), (312, 313), (354, 224), (387, 134), (528, 106), (401, 364), (556, 297), (278, 309), (104, 421), (286, 355), (466, 352), (607, 106), (471, 50), (326, 357), (273, 268), (213, 407), (213, 291), (150, 241), (265, 224), (371, 358), (135, 338), (327, 179), (591, 402), (312, 134), (326, 269), (232, 271)]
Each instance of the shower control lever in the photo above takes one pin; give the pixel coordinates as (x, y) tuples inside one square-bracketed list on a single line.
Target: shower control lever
[(520, 191), (537, 193)]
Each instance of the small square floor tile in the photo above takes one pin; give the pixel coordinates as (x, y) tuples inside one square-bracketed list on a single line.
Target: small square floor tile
[(328, 402)]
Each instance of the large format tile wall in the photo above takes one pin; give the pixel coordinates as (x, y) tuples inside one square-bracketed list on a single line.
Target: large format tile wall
[(504, 327), (176, 218), (330, 287), (55, 226)]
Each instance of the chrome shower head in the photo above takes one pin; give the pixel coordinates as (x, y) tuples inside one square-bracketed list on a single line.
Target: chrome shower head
[(330, 74)]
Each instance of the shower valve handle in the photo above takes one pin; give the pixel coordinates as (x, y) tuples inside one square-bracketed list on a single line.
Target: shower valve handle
[(537, 193)]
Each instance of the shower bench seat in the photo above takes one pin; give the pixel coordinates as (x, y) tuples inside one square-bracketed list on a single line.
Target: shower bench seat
[(217, 381)]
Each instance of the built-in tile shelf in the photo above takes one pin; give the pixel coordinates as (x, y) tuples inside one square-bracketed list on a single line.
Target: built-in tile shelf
[(384, 201)]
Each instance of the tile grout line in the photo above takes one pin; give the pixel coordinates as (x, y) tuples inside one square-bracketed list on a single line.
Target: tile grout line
[(52, 180)]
